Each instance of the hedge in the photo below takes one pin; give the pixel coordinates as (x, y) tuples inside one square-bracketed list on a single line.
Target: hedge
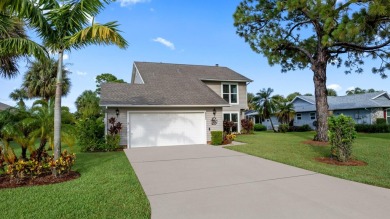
[(260, 127), (216, 137), (375, 128)]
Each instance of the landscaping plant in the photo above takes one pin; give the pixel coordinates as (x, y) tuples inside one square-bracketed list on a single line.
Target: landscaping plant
[(259, 127), (113, 138), (247, 126), (216, 137), (341, 135)]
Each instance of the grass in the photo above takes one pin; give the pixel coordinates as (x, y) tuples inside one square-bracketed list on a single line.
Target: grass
[(288, 148), (107, 188)]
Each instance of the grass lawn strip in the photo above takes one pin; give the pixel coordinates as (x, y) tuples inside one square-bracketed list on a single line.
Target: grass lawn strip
[(289, 148), (107, 188)]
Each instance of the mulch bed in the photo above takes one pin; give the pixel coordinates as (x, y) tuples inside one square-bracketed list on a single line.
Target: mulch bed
[(6, 182), (329, 160), (316, 143)]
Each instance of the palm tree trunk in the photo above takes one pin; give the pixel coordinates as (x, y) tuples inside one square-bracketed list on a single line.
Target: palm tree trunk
[(40, 149), (24, 153), (272, 124), (319, 79), (57, 108)]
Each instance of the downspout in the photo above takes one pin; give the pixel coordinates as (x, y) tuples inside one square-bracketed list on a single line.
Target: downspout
[(105, 121)]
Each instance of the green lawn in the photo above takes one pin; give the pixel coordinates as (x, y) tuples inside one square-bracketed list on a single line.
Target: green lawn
[(288, 148), (107, 188)]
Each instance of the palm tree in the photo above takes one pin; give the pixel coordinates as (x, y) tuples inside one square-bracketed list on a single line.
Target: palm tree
[(63, 27), (19, 95), (331, 92), (14, 44), (40, 79), (251, 104), (285, 112), (265, 104)]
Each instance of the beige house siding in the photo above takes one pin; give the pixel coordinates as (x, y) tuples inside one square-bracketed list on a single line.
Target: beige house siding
[(123, 112), (242, 97)]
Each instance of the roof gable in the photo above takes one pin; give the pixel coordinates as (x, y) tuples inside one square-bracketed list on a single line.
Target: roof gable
[(4, 106)]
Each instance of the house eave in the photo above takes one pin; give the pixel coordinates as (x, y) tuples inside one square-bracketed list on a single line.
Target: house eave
[(161, 106), (203, 79)]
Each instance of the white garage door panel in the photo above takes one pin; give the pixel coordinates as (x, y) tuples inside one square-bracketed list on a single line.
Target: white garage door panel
[(164, 129)]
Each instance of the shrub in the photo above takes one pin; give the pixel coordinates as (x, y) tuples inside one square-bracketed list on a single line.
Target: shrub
[(90, 134), (247, 126), (34, 168), (303, 128), (283, 128), (227, 125), (216, 137), (259, 127), (380, 121), (375, 128), (113, 138), (230, 137), (341, 135)]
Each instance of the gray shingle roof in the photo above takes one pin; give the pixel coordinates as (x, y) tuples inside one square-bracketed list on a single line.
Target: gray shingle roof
[(169, 84), (357, 101), (4, 106)]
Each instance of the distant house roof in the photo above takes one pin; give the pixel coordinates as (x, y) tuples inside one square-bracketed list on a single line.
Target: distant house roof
[(170, 85), (357, 101), (4, 106)]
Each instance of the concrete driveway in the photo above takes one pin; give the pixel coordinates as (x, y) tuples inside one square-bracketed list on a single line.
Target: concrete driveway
[(202, 181)]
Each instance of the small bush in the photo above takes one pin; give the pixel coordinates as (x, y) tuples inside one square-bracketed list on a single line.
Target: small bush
[(216, 137), (247, 126), (341, 135), (375, 128), (113, 138), (283, 128), (259, 127), (227, 125), (303, 128), (380, 121)]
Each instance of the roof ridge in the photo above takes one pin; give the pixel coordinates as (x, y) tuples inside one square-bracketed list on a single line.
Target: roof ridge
[(168, 63)]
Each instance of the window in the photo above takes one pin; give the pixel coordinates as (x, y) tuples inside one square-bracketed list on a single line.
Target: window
[(299, 116), (388, 116), (230, 93), (231, 117), (312, 116)]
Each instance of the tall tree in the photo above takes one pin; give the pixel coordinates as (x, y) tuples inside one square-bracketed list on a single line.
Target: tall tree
[(14, 44), (40, 79), (87, 105), (312, 34), (63, 26), (291, 96), (105, 78), (331, 92), (19, 95), (358, 90), (265, 104), (249, 98)]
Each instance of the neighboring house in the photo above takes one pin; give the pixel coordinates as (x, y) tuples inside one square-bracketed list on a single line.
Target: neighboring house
[(3, 106), (175, 104), (363, 108)]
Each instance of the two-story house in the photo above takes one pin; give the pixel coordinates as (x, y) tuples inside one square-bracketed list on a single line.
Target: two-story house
[(175, 104)]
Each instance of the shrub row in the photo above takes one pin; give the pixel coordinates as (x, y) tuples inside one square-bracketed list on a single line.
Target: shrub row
[(259, 128), (304, 128), (375, 128)]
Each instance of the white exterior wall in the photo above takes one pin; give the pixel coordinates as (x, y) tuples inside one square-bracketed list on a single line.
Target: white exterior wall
[(123, 112)]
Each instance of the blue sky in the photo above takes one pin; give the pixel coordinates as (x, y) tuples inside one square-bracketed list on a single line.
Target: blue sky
[(187, 32)]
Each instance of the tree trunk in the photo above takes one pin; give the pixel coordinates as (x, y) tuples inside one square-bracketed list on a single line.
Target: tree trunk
[(24, 153), (322, 107), (272, 124), (40, 149), (57, 108)]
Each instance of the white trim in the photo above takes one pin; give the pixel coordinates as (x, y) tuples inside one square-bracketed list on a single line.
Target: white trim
[(162, 106), (238, 95), (137, 72), (379, 95), (203, 79), (164, 111), (292, 101), (238, 118)]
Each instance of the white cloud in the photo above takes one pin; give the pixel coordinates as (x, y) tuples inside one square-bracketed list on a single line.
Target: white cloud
[(335, 87), (81, 73), (66, 57), (165, 42), (125, 3)]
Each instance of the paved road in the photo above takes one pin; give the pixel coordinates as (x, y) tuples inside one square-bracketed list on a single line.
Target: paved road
[(202, 181)]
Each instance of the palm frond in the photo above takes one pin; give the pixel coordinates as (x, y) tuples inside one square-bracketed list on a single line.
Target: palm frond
[(101, 34), (12, 46)]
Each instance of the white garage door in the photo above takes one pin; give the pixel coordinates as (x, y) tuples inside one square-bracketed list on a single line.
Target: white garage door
[(166, 128)]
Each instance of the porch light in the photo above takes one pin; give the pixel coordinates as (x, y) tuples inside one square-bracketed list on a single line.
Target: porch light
[(117, 112), (214, 111)]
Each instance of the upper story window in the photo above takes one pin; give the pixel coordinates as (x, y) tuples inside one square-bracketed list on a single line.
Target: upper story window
[(312, 116), (230, 93), (299, 116)]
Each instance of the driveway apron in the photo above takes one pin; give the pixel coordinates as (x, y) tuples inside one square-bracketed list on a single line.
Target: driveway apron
[(202, 181)]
